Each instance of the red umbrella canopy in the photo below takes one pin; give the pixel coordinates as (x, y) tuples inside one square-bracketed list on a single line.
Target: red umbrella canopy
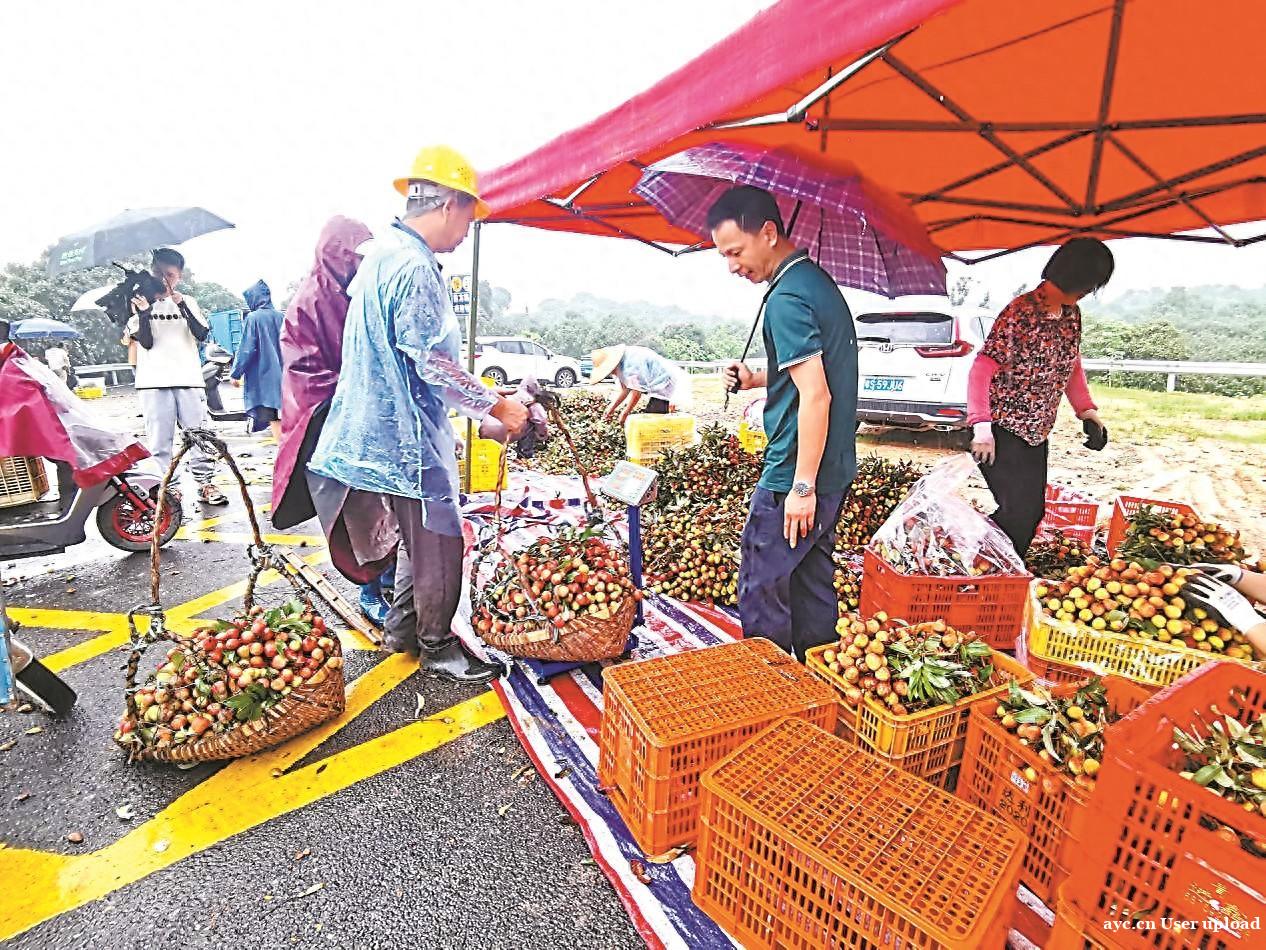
[(1004, 124)]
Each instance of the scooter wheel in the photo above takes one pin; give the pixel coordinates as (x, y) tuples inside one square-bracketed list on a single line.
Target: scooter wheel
[(46, 688), (124, 527)]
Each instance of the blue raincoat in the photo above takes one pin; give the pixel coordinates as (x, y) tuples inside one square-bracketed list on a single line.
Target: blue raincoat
[(388, 430), (258, 358)]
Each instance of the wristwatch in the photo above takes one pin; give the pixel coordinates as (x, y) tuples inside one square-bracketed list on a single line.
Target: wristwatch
[(803, 489)]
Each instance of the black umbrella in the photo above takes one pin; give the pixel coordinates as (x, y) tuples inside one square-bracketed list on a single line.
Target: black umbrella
[(132, 232)]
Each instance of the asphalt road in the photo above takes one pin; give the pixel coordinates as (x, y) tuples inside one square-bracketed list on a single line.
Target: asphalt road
[(418, 823)]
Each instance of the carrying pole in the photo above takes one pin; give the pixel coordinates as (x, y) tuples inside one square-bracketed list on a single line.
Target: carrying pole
[(472, 326)]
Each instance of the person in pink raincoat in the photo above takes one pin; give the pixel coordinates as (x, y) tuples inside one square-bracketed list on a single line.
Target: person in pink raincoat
[(311, 357)]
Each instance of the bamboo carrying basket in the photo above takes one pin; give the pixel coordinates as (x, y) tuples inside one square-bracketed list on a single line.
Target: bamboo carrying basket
[(584, 639), (303, 708)]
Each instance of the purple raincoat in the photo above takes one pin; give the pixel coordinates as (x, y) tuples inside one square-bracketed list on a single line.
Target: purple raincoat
[(311, 357)]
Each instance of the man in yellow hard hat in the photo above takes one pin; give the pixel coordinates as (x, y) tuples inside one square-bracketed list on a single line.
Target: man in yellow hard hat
[(385, 471)]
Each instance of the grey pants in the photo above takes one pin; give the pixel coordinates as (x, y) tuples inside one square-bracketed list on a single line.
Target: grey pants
[(428, 582), (165, 409)]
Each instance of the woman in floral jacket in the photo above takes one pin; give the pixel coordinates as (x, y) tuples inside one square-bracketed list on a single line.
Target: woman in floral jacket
[(1031, 357)]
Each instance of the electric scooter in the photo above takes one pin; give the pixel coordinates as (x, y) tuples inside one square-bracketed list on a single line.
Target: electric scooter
[(48, 421), (122, 505)]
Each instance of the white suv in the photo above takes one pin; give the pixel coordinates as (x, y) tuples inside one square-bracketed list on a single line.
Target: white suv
[(913, 365), (507, 359)]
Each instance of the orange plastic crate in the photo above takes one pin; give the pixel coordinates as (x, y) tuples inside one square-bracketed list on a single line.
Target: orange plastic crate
[(666, 720), (1072, 931), (1127, 506), (993, 607), (1056, 673), (1069, 512), (1150, 857), (992, 778), (929, 743), (808, 842)]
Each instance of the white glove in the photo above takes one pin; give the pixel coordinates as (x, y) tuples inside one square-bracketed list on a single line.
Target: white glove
[(983, 448), (1228, 573), (1227, 602)]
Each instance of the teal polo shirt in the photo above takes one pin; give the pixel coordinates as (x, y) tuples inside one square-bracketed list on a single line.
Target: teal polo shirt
[(806, 316)]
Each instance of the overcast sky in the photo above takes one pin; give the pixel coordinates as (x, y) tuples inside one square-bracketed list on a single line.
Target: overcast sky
[(278, 114)]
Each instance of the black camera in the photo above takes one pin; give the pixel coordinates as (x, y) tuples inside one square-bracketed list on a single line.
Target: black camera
[(117, 302)]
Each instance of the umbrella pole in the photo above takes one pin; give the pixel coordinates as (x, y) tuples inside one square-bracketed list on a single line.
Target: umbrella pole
[(795, 214), (472, 325)]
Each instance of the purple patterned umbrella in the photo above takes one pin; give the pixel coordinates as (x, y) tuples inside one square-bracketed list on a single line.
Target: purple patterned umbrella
[(861, 234)]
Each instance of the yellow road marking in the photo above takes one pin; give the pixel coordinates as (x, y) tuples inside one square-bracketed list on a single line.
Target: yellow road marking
[(114, 625), (40, 885), (183, 618), (199, 605), (205, 523), (245, 537)]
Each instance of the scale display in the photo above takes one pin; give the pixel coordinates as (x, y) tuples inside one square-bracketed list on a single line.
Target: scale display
[(631, 484)]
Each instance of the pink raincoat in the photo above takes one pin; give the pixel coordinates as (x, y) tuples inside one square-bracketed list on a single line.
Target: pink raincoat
[(311, 357), (43, 418)]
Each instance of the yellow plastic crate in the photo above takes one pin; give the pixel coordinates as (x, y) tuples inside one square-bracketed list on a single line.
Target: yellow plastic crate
[(929, 743), (648, 434), (752, 440), (485, 457), (89, 392), (1105, 653)]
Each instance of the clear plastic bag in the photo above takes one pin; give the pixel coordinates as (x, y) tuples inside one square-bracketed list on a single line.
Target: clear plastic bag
[(937, 532)]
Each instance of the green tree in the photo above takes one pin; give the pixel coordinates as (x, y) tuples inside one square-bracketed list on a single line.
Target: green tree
[(27, 291)]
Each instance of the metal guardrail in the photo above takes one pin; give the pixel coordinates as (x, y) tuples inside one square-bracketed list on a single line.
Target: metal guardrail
[(1172, 369), (110, 372)]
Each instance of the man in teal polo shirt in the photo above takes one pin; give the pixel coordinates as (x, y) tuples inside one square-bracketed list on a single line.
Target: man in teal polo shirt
[(786, 578)]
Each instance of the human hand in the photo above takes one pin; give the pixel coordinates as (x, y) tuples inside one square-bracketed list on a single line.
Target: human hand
[(983, 447), (140, 303), (1227, 573), (513, 414), (177, 297), (1224, 600), (797, 519), (495, 429), (1096, 431), (737, 377)]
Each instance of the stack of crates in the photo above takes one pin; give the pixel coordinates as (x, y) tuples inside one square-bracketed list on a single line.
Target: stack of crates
[(649, 434), (1180, 864), (1069, 512), (806, 841), (666, 720)]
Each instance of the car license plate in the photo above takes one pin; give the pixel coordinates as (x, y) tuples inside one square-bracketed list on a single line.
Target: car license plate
[(883, 384)]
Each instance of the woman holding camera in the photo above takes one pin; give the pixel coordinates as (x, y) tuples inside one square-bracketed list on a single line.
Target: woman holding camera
[(1031, 357)]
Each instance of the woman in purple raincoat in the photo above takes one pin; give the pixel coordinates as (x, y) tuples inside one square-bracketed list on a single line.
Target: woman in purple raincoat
[(311, 356)]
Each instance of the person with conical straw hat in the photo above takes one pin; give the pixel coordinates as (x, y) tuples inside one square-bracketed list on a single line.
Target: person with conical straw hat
[(639, 372)]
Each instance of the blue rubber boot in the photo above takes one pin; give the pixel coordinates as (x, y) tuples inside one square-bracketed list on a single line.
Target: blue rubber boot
[(372, 604)]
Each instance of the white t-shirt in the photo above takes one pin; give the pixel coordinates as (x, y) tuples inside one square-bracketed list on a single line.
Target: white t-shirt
[(172, 361), (58, 359)]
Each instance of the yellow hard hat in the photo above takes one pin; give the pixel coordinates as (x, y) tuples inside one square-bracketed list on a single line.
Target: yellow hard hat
[(448, 167)]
